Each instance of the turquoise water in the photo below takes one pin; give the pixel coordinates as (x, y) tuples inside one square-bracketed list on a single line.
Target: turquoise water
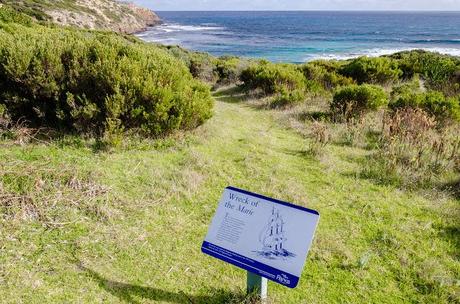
[(303, 36)]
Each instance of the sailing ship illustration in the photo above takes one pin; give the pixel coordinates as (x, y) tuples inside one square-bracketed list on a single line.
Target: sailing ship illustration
[(273, 238)]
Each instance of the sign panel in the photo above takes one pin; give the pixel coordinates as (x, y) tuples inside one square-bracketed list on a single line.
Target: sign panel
[(265, 236)]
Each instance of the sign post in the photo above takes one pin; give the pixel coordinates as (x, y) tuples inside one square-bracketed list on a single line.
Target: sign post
[(267, 237), (257, 285)]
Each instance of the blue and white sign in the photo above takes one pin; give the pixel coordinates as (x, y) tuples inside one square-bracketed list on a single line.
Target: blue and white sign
[(265, 236)]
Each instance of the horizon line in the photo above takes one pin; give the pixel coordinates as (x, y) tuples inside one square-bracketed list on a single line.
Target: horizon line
[(316, 10)]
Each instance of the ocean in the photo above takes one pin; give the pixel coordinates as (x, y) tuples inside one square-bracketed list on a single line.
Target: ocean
[(304, 36)]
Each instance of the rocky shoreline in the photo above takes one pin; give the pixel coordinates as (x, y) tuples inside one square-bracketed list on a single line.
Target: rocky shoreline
[(109, 15)]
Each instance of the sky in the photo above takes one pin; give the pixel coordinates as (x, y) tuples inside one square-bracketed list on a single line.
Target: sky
[(206, 5)]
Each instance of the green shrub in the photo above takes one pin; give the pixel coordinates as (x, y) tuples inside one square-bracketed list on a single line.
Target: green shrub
[(229, 69), (331, 66), (439, 71), (202, 66), (96, 82), (178, 52), (25, 8), (434, 103), (379, 70), (9, 15), (412, 86), (4, 121), (324, 74), (288, 98), (273, 78), (355, 100)]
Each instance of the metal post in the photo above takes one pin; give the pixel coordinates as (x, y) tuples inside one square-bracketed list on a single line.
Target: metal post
[(257, 285)]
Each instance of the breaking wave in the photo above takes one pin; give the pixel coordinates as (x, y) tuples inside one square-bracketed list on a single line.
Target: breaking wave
[(380, 52)]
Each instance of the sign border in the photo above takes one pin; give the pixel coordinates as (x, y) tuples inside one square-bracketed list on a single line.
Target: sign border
[(258, 268), (273, 200)]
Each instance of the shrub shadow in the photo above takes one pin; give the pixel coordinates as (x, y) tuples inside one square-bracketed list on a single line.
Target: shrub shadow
[(453, 188), (129, 292), (372, 171), (232, 90), (452, 234), (235, 94), (316, 116)]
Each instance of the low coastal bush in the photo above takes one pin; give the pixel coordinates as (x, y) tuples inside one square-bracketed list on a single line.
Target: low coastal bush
[(223, 70), (325, 74), (202, 66), (288, 98), (229, 69), (440, 72), (271, 78), (444, 108), (10, 15), (331, 66), (380, 70), (25, 8), (95, 82), (412, 86), (355, 100)]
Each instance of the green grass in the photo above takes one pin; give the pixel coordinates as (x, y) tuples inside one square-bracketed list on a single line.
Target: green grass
[(82, 226)]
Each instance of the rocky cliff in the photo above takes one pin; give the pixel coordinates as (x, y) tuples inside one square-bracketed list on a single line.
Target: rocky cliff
[(119, 16)]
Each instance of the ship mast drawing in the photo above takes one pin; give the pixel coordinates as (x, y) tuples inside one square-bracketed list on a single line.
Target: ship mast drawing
[(273, 238)]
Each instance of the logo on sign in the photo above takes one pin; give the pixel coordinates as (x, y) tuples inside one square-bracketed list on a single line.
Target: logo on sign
[(283, 279)]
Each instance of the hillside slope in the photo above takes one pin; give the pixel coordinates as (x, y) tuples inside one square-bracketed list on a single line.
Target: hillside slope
[(127, 226), (91, 14)]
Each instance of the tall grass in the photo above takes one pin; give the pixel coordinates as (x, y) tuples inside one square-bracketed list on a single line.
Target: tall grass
[(414, 151)]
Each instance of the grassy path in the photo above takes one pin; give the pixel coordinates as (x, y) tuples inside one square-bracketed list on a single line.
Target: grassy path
[(137, 239)]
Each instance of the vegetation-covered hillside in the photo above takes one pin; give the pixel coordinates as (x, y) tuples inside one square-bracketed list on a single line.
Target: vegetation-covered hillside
[(111, 15), (96, 83), (404, 107)]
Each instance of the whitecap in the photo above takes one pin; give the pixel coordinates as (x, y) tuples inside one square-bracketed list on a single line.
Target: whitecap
[(380, 52), (169, 28), (166, 41)]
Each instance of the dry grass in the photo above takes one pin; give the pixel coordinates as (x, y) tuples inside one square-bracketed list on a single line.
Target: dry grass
[(39, 192), (414, 150), (408, 148), (320, 138)]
